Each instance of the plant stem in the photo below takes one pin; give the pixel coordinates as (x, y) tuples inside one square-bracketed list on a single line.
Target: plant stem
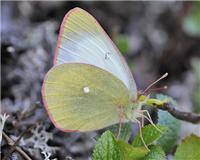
[(185, 116)]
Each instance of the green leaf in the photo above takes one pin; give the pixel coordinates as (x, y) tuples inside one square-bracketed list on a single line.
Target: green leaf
[(122, 42), (196, 65), (189, 149), (163, 97), (132, 153), (156, 153), (191, 23), (106, 148), (125, 133), (169, 138), (150, 134)]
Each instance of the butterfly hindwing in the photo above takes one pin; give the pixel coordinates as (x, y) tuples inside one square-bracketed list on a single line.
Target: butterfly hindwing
[(82, 97)]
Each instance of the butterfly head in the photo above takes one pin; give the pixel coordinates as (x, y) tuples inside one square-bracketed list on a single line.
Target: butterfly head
[(143, 98)]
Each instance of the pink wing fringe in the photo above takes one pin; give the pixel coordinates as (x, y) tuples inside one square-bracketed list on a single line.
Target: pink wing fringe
[(49, 114)]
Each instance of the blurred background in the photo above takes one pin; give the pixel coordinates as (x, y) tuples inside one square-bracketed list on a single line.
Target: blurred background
[(154, 37)]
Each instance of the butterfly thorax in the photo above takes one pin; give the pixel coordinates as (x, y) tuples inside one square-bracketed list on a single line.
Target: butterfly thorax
[(134, 107), (133, 110)]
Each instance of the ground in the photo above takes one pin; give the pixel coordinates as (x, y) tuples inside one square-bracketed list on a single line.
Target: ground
[(157, 41)]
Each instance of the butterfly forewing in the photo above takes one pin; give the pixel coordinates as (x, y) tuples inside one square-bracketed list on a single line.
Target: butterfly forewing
[(82, 39)]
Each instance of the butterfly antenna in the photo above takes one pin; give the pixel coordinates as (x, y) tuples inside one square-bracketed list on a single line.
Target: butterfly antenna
[(152, 84), (157, 89)]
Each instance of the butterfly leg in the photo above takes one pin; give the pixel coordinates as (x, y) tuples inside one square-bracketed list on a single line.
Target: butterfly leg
[(148, 117), (141, 136), (147, 112), (121, 116), (142, 121)]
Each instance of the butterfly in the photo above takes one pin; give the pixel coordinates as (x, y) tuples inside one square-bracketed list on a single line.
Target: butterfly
[(90, 85)]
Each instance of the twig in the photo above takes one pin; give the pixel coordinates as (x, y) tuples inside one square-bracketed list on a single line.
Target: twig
[(18, 139), (23, 133), (17, 148), (185, 116)]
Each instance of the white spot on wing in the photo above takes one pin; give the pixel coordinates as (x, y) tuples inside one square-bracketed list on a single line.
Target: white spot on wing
[(86, 89)]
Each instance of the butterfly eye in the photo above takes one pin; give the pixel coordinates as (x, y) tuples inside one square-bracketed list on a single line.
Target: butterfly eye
[(86, 89)]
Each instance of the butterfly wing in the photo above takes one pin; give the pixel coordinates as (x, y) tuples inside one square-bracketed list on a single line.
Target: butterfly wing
[(82, 39), (82, 97)]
